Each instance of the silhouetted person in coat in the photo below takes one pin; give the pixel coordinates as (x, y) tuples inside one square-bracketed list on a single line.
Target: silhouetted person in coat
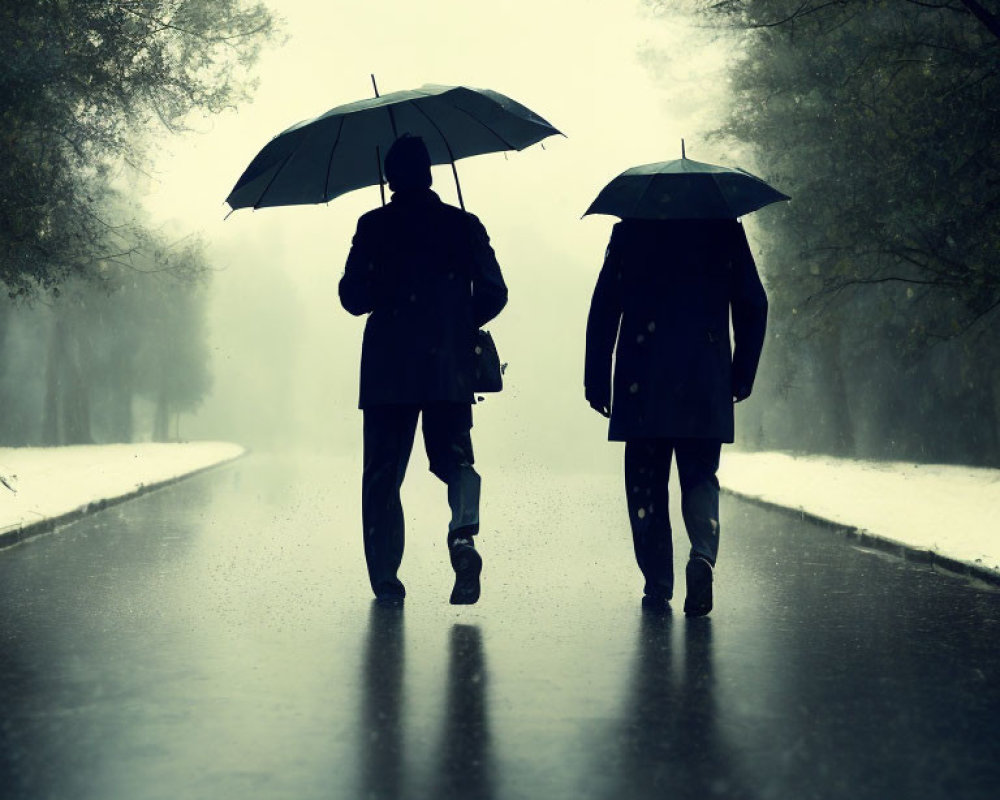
[(425, 273), (665, 294)]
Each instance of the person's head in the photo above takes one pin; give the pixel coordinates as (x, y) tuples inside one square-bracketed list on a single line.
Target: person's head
[(408, 164)]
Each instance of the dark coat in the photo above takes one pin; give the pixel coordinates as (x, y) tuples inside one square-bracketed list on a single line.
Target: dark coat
[(426, 274), (665, 293)]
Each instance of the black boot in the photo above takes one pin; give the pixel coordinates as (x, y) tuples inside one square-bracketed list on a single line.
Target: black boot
[(699, 587), (468, 564), (657, 602)]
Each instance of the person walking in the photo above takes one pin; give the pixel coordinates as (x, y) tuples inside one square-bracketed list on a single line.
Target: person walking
[(665, 295), (426, 275)]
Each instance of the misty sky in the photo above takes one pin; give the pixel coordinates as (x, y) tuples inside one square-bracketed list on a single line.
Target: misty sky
[(622, 84)]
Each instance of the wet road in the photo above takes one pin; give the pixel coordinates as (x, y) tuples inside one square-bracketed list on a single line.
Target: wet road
[(216, 640)]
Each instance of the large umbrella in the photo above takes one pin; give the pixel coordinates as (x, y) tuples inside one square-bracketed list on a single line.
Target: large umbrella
[(344, 149), (684, 189)]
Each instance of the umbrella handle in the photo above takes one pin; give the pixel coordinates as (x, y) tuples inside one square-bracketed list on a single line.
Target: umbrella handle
[(458, 186), (381, 178)]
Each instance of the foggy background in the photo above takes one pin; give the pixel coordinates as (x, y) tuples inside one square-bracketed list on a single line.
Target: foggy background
[(136, 310)]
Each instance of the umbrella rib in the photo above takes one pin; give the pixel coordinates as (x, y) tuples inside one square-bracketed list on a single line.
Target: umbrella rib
[(471, 116), (286, 159), (274, 177), (643, 193), (329, 163), (478, 121), (722, 196), (439, 131)]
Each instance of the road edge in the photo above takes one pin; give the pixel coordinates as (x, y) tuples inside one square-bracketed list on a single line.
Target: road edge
[(32, 530), (875, 541)]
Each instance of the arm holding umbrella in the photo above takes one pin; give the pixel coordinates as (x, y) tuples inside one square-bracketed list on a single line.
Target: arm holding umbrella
[(357, 287), (749, 309)]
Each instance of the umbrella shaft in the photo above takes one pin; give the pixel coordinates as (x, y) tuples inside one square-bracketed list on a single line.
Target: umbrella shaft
[(378, 165), (458, 186)]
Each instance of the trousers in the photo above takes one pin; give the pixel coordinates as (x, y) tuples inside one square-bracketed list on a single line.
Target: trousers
[(389, 431), (647, 473)]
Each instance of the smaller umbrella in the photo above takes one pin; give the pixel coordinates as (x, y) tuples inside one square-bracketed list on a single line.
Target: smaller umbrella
[(684, 189)]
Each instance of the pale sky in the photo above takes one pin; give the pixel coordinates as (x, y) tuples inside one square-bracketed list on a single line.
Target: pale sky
[(623, 85)]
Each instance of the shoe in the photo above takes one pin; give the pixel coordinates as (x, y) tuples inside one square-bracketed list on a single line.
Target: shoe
[(468, 564), (389, 600), (699, 587), (656, 603)]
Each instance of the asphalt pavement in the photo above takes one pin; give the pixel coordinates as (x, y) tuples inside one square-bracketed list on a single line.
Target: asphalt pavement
[(217, 639)]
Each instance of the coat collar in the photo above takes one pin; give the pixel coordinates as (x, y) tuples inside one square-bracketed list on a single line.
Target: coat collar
[(405, 197)]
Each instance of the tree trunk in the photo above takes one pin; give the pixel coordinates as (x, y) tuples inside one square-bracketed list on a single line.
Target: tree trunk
[(126, 418), (122, 421), (7, 435), (841, 422), (74, 399), (161, 420), (50, 409), (982, 434), (994, 420)]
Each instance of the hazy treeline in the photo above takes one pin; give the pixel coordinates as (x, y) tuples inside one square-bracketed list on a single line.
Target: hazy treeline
[(100, 309), (880, 119), (105, 364)]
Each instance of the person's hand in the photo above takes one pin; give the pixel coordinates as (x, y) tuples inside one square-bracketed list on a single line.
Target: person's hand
[(740, 392), (599, 401)]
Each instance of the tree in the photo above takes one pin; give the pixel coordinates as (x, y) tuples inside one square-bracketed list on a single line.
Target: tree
[(879, 118), (129, 332), (82, 81), (172, 363)]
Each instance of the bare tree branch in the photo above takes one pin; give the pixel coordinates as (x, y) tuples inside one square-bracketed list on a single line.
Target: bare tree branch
[(803, 10), (991, 21)]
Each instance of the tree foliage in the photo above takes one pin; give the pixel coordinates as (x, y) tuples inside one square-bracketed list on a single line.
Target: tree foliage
[(879, 118), (112, 357), (81, 82), (115, 313), (881, 115)]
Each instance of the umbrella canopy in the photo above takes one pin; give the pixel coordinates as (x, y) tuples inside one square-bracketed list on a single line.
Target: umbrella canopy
[(343, 149), (684, 189)]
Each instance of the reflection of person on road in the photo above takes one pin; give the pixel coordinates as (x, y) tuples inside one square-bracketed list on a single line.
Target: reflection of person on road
[(665, 293), (425, 273), (381, 704), (668, 742), (464, 766)]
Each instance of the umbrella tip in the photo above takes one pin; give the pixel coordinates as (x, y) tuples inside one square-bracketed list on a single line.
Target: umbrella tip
[(374, 85), (682, 149)]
